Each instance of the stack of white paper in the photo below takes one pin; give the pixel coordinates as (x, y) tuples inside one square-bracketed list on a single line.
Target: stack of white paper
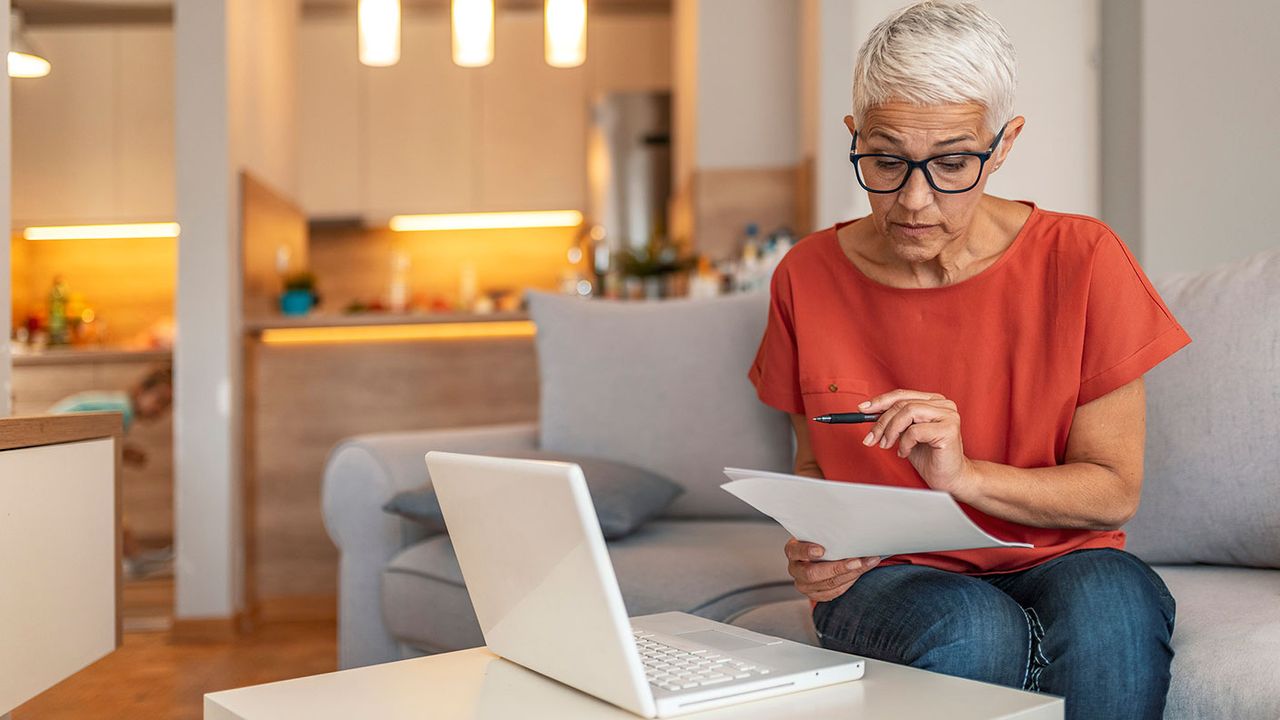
[(857, 520)]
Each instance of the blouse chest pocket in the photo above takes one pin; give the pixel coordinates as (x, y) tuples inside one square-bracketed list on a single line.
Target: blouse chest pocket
[(833, 394)]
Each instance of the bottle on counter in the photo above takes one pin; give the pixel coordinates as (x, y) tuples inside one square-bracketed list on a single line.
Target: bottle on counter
[(59, 295), (398, 293)]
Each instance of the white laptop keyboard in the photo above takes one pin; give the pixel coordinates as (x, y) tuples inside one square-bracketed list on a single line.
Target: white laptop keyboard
[(672, 668)]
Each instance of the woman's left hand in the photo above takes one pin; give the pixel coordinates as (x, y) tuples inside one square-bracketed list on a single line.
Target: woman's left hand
[(924, 428)]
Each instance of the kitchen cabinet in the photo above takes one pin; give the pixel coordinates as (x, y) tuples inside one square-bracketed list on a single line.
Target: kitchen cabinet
[(93, 140), (426, 136), (330, 96), (419, 131)]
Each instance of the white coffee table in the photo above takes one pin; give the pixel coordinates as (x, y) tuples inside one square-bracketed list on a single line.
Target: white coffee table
[(477, 685)]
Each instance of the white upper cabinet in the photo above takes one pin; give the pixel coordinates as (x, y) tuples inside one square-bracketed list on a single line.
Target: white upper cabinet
[(331, 169), (93, 140), (144, 156), (419, 130), (533, 125), (426, 136)]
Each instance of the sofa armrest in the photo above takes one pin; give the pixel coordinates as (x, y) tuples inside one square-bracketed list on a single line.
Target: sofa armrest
[(361, 475)]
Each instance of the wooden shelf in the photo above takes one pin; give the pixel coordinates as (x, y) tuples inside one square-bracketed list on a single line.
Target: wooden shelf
[(79, 356)]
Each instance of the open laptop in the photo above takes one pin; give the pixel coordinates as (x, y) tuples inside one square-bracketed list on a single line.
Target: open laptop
[(534, 560)]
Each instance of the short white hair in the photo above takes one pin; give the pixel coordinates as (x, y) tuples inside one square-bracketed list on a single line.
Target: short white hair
[(932, 53)]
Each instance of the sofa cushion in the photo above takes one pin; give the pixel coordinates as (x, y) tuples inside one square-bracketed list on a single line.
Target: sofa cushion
[(1212, 488), (1226, 638), (790, 619), (661, 385), (624, 496), (1225, 635), (710, 568)]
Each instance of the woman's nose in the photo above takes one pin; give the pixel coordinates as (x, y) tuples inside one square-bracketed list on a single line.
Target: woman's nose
[(917, 193)]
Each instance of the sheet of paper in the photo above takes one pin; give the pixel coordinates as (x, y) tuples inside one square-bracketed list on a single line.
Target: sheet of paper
[(858, 520)]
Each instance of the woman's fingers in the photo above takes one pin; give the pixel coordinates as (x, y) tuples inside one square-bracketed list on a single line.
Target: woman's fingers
[(894, 421), (880, 403), (801, 550), (911, 414), (829, 576), (931, 434)]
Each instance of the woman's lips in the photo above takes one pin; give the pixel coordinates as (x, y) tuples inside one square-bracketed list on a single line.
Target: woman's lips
[(912, 230)]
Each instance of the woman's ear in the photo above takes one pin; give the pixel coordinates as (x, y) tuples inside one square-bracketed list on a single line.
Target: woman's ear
[(1011, 133), (848, 122)]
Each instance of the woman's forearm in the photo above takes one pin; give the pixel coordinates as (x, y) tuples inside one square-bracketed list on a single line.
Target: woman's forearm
[(1080, 495)]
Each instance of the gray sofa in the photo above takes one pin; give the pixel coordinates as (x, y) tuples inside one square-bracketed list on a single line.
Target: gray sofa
[(1210, 516)]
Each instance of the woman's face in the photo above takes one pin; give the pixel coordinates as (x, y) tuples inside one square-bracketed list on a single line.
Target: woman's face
[(916, 221)]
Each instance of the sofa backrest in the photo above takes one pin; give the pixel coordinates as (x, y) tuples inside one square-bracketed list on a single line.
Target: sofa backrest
[(660, 385), (1212, 488)]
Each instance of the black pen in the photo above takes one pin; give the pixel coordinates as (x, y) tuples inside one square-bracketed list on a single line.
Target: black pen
[(847, 418)]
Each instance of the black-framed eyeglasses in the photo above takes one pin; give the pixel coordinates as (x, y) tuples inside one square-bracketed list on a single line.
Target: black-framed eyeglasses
[(951, 173)]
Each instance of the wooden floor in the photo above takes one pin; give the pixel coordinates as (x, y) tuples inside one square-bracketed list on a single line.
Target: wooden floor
[(150, 677)]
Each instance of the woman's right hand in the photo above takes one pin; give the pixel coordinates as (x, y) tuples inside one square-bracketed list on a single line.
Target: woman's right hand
[(823, 580)]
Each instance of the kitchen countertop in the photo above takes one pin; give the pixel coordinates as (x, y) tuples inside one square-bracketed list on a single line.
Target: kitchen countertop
[(319, 320), (73, 355)]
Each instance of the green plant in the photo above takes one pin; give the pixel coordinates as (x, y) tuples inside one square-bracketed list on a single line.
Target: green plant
[(300, 281)]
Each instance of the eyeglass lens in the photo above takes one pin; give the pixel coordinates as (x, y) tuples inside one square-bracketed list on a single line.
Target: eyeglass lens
[(954, 173)]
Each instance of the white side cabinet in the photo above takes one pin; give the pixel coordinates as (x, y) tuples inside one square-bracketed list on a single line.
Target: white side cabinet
[(93, 140)]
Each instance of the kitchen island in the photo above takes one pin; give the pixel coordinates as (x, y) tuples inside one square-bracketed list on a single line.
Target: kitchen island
[(313, 380)]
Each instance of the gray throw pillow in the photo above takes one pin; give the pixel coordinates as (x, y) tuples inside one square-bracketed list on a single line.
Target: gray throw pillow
[(661, 385), (1212, 488), (625, 496)]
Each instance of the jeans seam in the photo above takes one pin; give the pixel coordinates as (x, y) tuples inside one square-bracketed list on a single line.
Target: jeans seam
[(1037, 639), (1026, 673)]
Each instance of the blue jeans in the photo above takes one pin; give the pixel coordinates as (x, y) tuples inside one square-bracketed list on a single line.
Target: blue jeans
[(1092, 626)]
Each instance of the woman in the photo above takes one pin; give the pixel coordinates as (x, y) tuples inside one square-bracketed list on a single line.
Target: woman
[(1003, 347)]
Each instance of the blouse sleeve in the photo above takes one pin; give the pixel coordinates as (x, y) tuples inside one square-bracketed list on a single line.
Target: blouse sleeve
[(775, 372), (1128, 329)]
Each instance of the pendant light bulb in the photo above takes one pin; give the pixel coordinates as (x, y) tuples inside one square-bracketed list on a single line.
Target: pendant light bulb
[(379, 32), (566, 32), (472, 32), (23, 59)]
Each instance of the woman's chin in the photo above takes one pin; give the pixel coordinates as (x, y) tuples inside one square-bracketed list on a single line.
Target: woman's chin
[(915, 250)]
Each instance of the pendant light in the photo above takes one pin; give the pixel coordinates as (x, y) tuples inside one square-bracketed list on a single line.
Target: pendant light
[(472, 32), (566, 32), (24, 61), (379, 32)]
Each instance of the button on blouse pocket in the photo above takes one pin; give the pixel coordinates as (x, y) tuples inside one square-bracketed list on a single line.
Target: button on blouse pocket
[(833, 394)]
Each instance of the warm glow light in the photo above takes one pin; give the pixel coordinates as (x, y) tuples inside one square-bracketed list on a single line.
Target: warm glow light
[(566, 32), (487, 221), (379, 32), (22, 65), (472, 32), (374, 333), (102, 232)]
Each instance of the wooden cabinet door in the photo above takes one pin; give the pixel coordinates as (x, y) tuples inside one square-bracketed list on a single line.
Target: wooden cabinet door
[(331, 166)]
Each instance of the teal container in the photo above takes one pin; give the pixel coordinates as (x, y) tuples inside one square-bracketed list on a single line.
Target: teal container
[(296, 302)]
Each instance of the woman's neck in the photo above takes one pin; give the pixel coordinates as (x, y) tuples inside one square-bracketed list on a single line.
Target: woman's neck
[(994, 227)]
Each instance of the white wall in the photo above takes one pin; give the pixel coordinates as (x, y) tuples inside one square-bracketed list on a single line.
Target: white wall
[(1055, 162), (748, 97), (1210, 158), (207, 504), (6, 280), (235, 80)]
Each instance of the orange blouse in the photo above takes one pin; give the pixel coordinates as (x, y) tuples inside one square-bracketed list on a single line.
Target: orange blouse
[(1062, 318)]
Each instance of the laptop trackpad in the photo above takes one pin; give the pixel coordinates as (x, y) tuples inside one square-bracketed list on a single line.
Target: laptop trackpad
[(719, 640)]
